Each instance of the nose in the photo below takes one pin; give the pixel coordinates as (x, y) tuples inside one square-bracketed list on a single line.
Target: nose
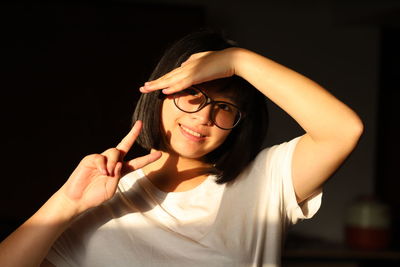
[(203, 116)]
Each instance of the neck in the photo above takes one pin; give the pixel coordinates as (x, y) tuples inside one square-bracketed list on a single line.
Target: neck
[(173, 173)]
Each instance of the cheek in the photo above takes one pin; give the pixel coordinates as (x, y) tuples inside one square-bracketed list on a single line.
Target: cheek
[(221, 136), (168, 115)]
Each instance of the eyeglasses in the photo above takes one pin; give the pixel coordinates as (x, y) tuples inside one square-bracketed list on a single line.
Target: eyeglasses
[(223, 114)]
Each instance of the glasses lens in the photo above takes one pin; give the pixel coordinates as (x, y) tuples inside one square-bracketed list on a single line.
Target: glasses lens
[(225, 115), (190, 100)]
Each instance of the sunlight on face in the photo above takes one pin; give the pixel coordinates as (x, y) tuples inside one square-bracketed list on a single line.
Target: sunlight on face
[(192, 135)]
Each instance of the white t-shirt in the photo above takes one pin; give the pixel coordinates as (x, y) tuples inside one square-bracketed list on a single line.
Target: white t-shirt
[(240, 223)]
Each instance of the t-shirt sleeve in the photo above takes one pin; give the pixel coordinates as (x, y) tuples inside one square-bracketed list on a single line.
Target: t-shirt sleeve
[(279, 161)]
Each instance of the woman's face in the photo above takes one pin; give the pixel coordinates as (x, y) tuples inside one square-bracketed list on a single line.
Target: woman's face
[(192, 135)]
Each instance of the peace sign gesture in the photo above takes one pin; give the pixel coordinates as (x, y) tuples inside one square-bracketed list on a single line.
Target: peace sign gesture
[(96, 177)]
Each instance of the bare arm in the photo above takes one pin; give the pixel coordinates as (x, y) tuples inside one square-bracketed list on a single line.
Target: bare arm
[(332, 129), (94, 181), (29, 244)]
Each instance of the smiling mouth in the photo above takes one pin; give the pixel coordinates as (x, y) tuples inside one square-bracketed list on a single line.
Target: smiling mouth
[(190, 131)]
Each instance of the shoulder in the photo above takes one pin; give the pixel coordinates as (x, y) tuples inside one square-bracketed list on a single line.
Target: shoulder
[(276, 155), (274, 161)]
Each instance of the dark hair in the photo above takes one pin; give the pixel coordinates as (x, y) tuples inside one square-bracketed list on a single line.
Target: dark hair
[(244, 141)]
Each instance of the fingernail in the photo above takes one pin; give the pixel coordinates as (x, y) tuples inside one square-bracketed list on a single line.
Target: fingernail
[(165, 91)]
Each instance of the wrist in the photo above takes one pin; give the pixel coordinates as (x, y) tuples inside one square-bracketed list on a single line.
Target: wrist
[(58, 210), (239, 57)]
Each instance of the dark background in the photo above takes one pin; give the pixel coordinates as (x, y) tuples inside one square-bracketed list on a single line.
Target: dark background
[(70, 83), (70, 73)]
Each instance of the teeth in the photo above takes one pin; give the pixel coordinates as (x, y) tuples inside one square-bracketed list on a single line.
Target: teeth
[(190, 131)]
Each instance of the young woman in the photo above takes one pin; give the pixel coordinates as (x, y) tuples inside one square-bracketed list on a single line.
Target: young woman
[(207, 194)]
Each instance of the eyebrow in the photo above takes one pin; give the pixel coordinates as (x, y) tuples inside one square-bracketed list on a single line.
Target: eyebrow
[(229, 97)]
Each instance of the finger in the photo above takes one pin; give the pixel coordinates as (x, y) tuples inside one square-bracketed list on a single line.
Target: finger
[(155, 85), (140, 162), (100, 162), (164, 81), (178, 86), (168, 75), (185, 63), (112, 156), (118, 170), (193, 57), (198, 55), (112, 183), (126, 143), (175, 84)]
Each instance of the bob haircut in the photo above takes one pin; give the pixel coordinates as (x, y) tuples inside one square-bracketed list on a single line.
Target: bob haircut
[(245, 140)]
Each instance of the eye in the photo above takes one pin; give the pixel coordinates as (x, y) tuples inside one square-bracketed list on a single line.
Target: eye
[(192, 91), (225, 107)]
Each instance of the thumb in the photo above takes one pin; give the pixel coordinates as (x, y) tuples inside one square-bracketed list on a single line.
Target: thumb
[(195, 56), (140, 162)]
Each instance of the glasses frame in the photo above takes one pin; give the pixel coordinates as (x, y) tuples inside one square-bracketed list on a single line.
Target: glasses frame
[(209, 101)]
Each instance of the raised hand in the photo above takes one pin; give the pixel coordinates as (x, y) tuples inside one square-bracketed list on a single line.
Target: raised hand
[(199, 68), (96, 177)]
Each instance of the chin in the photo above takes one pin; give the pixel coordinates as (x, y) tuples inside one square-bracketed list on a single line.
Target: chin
[(185, 153), (188, 155)]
